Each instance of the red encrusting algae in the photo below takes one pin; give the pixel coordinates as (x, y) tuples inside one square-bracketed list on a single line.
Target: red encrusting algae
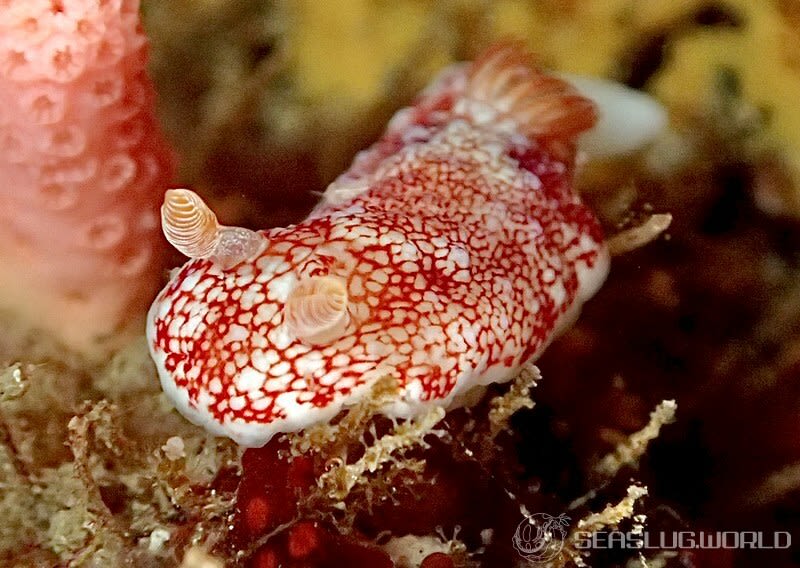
[(83, 168), (286, 517), (269, 501)]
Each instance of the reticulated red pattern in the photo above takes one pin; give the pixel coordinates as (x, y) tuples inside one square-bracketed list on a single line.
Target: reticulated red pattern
[(463, 249)]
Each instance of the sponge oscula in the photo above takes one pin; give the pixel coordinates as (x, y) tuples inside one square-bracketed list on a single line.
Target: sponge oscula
[(83, 168)]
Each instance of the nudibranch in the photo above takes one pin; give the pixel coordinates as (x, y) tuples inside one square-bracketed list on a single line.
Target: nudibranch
[(449, 255)]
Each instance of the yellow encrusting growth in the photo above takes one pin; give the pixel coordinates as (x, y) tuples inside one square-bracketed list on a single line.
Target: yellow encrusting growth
[(334, 70), (764, 55), (325, 64), (593, 37)]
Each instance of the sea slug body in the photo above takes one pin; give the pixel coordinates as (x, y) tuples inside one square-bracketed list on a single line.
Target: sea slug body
[(450, 254)]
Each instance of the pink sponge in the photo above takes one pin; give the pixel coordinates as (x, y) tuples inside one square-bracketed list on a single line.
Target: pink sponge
[(83, 168)]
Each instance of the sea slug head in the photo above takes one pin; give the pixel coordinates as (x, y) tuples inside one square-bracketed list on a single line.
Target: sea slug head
[(192, 228), (246, 334)]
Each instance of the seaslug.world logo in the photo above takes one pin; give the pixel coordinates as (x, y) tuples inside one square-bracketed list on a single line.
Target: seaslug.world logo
[(540, 536)]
